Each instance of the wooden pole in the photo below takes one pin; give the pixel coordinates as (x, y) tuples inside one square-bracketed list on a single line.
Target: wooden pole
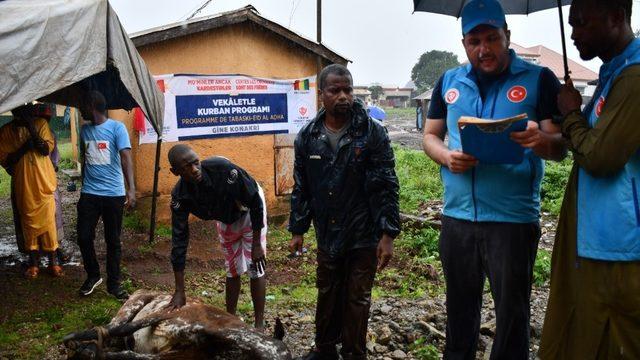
[(319, 38), (319, 21), (154, 195)]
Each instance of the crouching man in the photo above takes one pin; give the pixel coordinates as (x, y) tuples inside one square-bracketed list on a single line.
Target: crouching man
[(216, 189)]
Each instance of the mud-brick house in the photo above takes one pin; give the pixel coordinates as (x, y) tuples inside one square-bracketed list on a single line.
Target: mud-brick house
[(236, 42)]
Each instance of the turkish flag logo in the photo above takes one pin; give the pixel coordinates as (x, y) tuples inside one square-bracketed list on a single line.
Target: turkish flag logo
[(599, 106), (102, 146), (517, 93), (302, 110), (452, 96)]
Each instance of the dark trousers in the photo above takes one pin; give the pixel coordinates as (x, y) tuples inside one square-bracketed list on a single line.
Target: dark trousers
[(90, 209), (344, 298), (503, 252)]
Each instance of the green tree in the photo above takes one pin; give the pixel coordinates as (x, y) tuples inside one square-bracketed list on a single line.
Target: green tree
[(376, 91), (430, 67)]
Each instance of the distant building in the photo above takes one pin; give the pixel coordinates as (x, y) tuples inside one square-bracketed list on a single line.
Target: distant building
[(392, 96), (397, 97), (362, 93), (580, 75)]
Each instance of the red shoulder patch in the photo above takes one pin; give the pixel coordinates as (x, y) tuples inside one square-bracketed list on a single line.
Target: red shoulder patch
[(517, 93), (599, 106), (452, 95)]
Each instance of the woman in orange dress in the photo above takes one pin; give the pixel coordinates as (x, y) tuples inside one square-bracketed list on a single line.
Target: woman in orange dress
[(25, 144)]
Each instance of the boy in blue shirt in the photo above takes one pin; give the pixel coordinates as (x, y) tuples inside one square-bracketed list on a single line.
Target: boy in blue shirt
[(106, 166)]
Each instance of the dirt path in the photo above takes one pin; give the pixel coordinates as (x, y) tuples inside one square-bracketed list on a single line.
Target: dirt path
[(402, 131)]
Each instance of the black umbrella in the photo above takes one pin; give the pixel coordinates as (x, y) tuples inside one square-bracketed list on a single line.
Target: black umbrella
[(524, 7)]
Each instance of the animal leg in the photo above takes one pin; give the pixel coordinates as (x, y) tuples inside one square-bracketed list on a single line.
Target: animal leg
[(132, 306), (116, 331)]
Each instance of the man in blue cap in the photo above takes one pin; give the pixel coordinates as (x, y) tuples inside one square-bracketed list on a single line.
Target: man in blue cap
[(490, 224)]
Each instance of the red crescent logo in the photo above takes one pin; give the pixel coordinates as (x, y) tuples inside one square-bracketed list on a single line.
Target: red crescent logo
[(599, 106), (517, 93), (452, 96)]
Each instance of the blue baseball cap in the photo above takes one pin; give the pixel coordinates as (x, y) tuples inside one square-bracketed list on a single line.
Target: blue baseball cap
[(482, 12)]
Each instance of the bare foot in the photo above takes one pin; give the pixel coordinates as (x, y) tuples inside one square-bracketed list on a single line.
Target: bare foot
[(56, 270), (32, 272)]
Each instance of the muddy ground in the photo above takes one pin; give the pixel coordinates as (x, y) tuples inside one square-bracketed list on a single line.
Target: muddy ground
[(396, 322), (402, 131)]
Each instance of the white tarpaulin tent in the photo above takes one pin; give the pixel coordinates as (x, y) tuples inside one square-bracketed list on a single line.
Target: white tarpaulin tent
[(58, 50)]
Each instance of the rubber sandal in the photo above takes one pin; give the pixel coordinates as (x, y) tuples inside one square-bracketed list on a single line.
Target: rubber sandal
[(56, 270), (32, 272)]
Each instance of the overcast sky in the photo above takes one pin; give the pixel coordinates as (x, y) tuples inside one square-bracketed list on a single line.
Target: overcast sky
[(382, 38)]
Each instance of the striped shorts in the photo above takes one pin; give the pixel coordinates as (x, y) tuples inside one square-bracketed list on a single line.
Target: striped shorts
[(236, 240)]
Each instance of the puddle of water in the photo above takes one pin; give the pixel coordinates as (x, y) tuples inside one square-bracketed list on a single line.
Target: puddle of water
[(10, 256), (8, 246)]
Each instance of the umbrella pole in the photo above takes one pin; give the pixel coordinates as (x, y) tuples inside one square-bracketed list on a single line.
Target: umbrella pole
[(154, 195), (564, 45)]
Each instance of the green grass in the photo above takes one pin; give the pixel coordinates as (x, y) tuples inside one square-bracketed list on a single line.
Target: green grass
[(133, 220), (417, 252), (419, 179), (542, 268), (163, 230), (66, 156), (29, 336), (554, 184), (400, 113), (422, 350), (422, 243), (5, 183)]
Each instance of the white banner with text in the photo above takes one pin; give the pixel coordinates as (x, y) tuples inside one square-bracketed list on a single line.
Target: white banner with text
[(211, 106)]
